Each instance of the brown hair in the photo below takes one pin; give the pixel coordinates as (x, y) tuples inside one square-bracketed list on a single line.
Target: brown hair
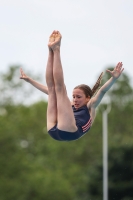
[(87, 90)]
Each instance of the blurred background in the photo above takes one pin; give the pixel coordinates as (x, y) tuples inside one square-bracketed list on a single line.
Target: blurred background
[(96, 35)]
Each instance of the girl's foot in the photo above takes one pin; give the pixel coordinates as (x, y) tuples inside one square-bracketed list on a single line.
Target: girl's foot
[(51, 40), (54, 40)]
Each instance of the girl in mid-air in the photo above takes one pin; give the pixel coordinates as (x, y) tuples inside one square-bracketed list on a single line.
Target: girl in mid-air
[(67, 120)]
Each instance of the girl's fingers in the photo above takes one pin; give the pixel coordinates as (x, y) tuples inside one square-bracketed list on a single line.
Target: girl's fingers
[(108, 71), (122, 70), (21, 71), (118, 67)]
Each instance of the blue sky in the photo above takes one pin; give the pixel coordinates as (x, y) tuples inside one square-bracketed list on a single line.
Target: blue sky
[(95, 34)]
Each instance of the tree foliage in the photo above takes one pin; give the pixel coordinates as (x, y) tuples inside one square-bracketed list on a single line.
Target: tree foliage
[(12, 90), (34, 166)]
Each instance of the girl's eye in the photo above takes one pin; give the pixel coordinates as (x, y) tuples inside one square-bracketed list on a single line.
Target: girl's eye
[(76, 97)]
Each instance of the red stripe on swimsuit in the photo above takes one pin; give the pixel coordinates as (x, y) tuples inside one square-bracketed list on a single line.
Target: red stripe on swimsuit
[(87, 125)]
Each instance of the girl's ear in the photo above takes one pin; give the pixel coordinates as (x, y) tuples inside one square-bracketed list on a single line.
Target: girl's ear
[(88, 98)]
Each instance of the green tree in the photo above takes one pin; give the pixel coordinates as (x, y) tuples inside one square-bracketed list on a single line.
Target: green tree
[(12, 89), (120, 144), (120, 175), (34, 166)]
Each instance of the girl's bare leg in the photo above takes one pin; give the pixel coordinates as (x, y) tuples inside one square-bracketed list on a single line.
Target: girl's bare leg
[(66, 120), (52, 102)]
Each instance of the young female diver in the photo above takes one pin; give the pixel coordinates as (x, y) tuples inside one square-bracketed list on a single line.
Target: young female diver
[(68, 121)]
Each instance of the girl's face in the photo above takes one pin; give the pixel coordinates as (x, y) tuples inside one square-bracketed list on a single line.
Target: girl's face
[(79, 98)]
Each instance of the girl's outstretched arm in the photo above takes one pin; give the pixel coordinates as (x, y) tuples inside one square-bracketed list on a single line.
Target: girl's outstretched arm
[(33, 82), (94, 102)]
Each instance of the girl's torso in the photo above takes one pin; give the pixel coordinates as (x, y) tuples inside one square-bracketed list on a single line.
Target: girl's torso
[(83, 122), (82, 117)]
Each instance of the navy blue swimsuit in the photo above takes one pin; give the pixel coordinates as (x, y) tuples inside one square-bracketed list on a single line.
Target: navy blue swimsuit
[(83, 123)]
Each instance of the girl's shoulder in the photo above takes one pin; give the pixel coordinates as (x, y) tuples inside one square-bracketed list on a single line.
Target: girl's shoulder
[(90, 103), (91, 109)]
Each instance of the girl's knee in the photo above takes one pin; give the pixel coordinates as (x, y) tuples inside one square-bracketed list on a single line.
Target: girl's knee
[(60, 89), (51, 89)]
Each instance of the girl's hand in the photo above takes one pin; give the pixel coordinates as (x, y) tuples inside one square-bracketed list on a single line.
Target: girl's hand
[(23, 75), (117, 71)]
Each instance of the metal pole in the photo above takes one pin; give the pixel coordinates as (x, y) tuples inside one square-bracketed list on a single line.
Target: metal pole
[(105, 152), (105, 156)]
